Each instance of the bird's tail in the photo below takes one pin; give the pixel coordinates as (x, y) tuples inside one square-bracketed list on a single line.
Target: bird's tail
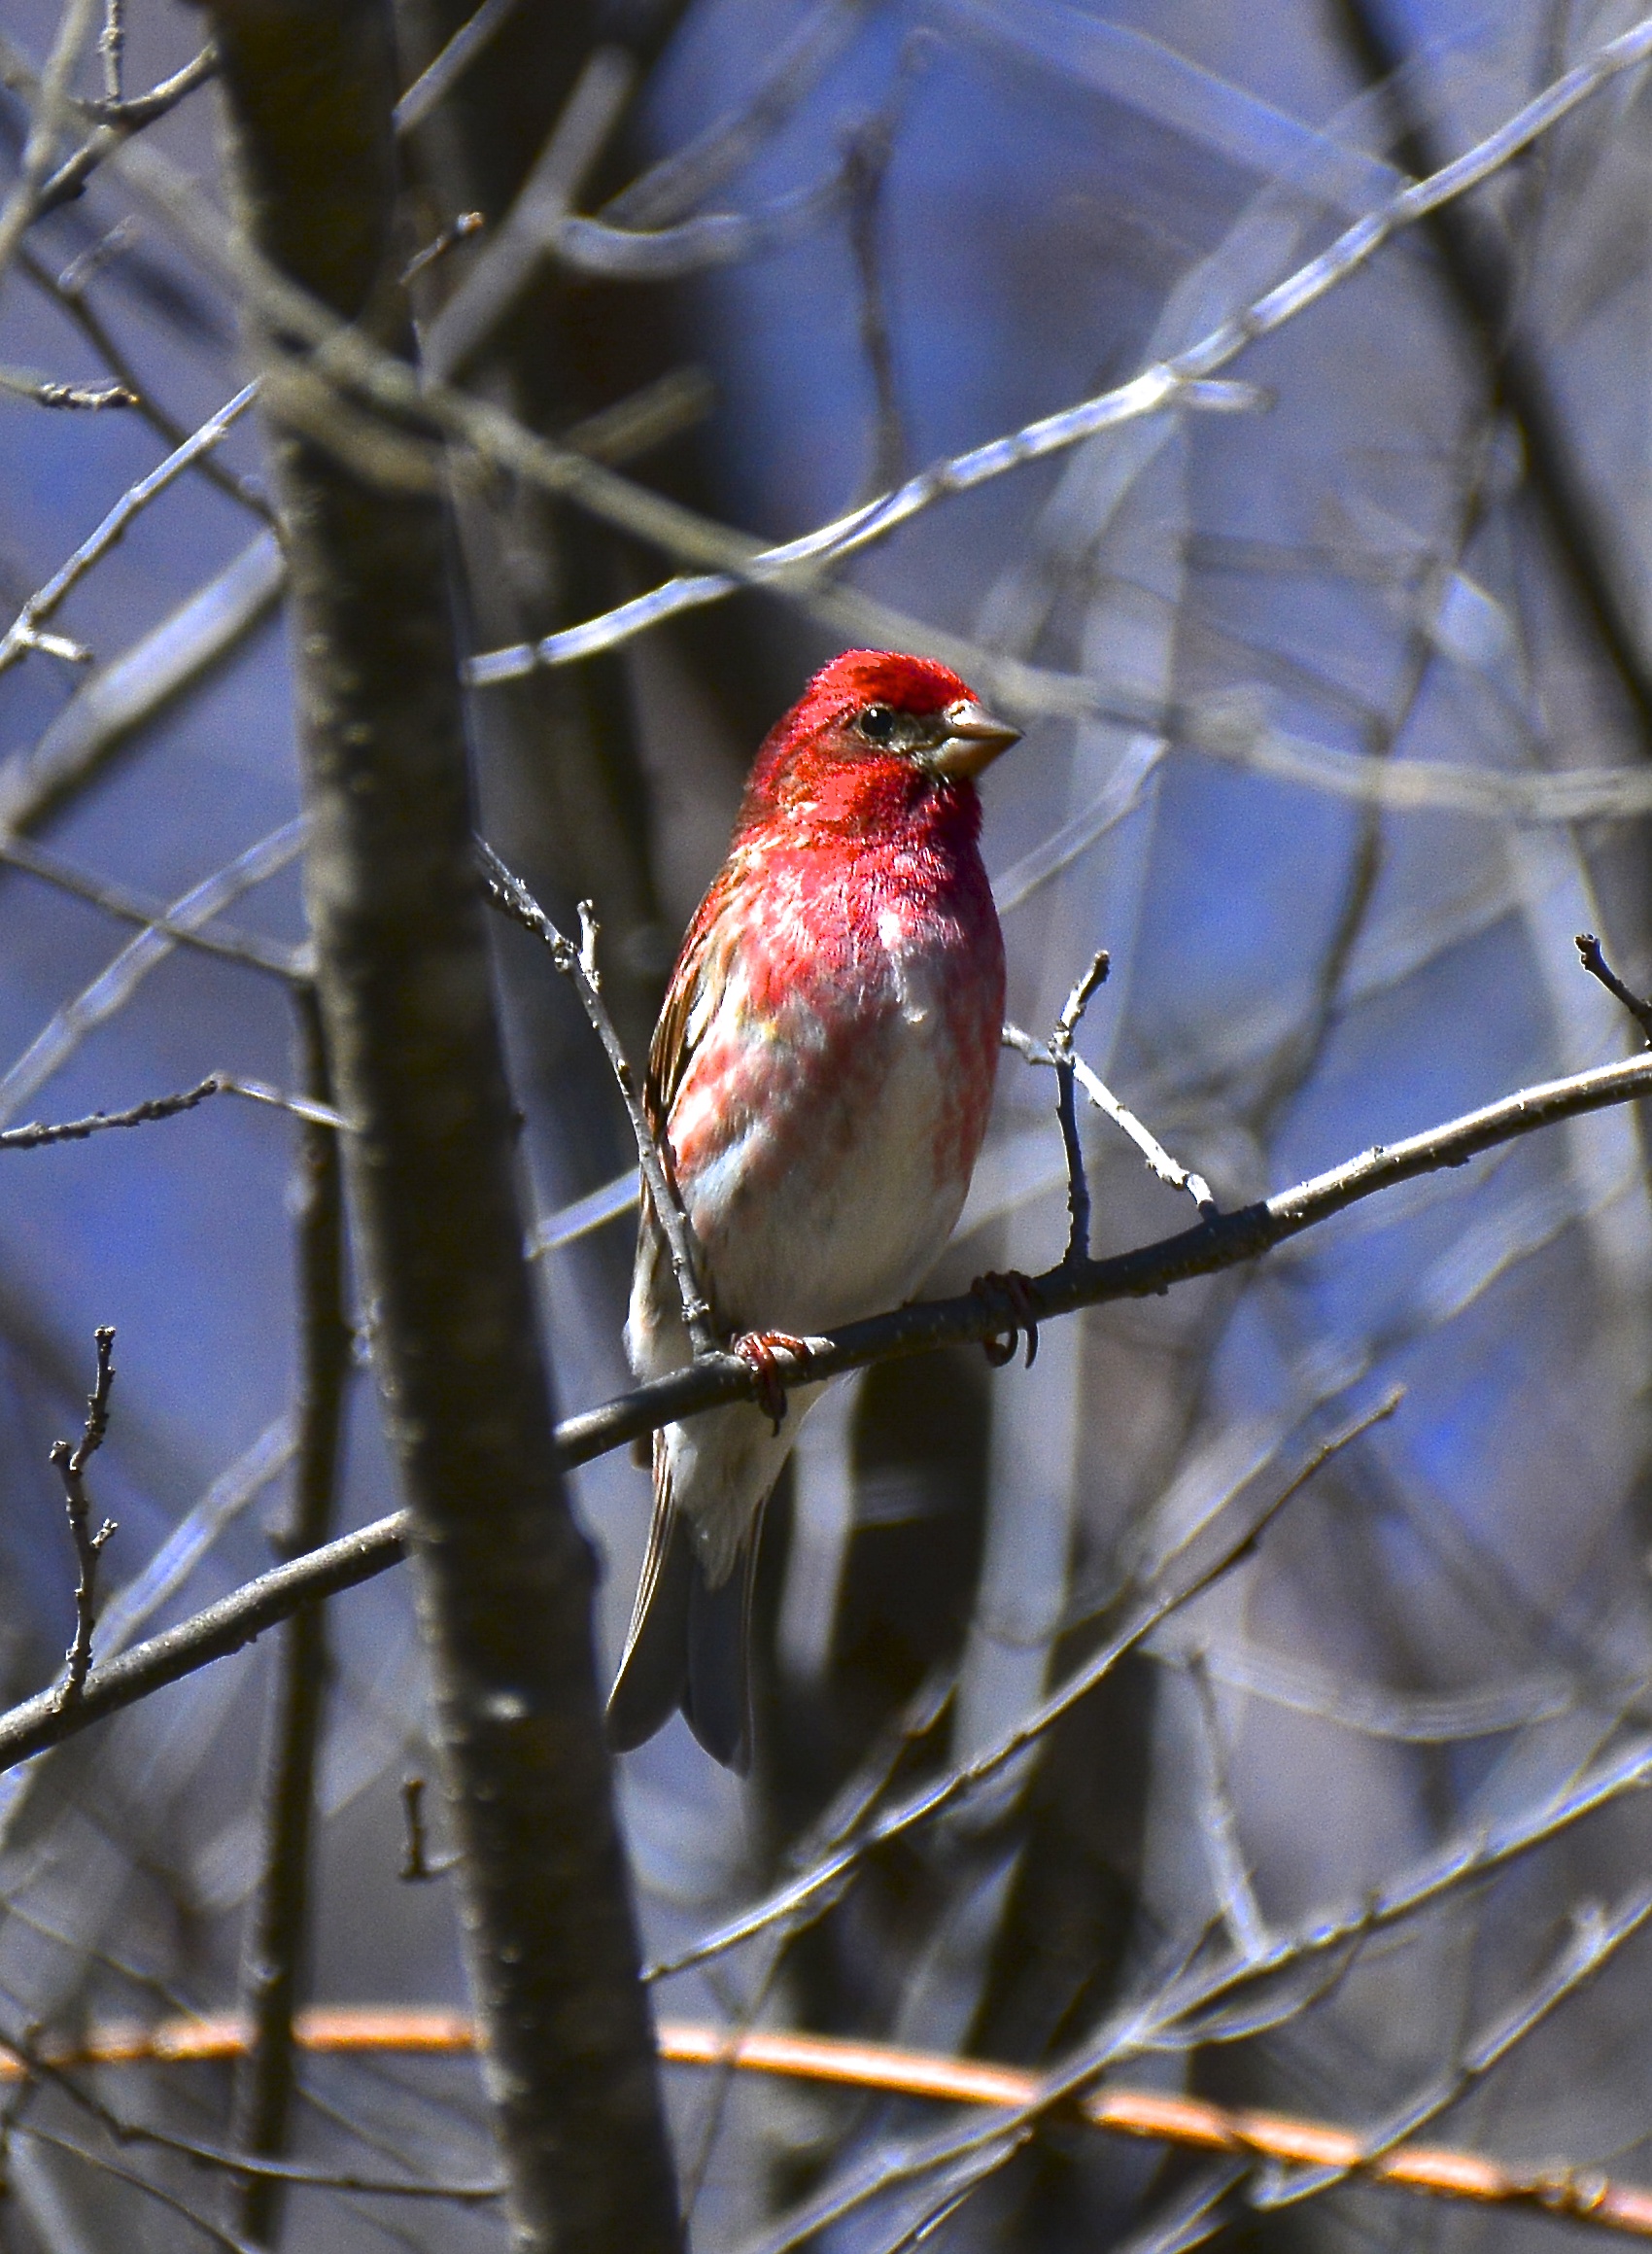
[(689, 1644)]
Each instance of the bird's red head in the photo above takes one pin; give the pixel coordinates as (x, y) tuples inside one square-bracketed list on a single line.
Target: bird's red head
[(872, 728)]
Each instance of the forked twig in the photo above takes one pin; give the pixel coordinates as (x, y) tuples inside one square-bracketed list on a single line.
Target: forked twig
[(578, 963), (71, 1463), (1070, 1069), (1061, 1052), (26, 631)]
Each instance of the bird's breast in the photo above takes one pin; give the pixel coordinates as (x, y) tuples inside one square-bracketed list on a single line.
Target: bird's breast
[(825, 1134)]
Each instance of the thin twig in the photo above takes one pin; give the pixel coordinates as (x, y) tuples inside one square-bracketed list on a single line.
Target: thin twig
[(1070, 1067), (75, 1130), (229, 1625), (457, 230), (1596, 966), (144, 109), (51, 106), (1480, 266), (1143, 1611), (25, 384), (135, 2181), (509, 893), (1062, 1057), (114, 123), (122, 696), (438, 79), (24, 631), (71, 1462), (1158, 1159), (68, 290), (275, 2173), (520, 244), (113, 989), (865, 166), (112, 49), (1592, 1940), (304, 1107), (681, 182)]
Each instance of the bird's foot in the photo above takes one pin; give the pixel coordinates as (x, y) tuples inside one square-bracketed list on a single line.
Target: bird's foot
[(764, 1352), (1013, 1292)]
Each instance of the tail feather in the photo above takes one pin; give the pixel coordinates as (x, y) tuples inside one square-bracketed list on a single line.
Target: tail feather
[(717, 1694), (689, 1644), (653, 1669)]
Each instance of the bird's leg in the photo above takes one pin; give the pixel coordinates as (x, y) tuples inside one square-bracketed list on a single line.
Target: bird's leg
[(764, 1351), (1013, 1290)]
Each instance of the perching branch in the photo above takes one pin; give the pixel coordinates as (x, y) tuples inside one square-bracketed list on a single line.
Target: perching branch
[(1224, 1242), (579, 965), (71, 1462)]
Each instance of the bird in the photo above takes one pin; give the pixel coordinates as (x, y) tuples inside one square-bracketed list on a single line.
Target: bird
[(818, 1083)]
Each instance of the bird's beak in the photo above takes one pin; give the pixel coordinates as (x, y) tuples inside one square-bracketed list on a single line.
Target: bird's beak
[(973, 740)]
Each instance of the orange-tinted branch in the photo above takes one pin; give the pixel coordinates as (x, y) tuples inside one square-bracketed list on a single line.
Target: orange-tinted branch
[(1582, 2194)]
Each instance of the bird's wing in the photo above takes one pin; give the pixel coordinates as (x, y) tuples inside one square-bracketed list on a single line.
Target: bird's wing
[(691, 1004)]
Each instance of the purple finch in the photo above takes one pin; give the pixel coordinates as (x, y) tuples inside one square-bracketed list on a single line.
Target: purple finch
[(820, 1077)]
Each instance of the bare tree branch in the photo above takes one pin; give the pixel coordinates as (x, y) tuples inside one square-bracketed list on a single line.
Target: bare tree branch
[(71, 1460), (275, 1949), (1595, 964), (1227, 1240), (579, 965), (433, 84), (26, 384), (1582, 2195), (51, 109), (116, 119), (505, 1576), (796, 570), (25, 631), (133, 688), (1176, 382), (68, 290), (74, 1130)]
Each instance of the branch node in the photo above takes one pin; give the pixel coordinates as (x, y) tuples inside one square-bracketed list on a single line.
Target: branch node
[(1595, 964)]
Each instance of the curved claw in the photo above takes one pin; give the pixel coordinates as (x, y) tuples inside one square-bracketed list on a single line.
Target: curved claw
[(1014, 1293), (763, 1352)]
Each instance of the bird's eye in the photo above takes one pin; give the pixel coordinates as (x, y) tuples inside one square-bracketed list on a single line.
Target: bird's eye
[(878, 724)]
